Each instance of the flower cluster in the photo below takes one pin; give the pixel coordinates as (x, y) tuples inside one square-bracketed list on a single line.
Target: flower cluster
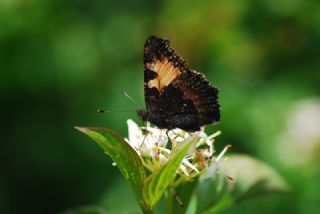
[(154, 146)]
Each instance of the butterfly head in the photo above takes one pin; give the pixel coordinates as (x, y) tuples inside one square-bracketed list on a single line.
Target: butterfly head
[(143, 114)]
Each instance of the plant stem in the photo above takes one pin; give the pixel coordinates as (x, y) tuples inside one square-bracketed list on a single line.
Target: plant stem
[(169, 202)]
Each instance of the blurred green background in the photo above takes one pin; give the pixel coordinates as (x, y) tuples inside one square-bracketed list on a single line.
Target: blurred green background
[(62, 60)]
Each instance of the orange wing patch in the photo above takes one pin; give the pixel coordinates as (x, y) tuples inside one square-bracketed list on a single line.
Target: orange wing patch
[(166, 73)]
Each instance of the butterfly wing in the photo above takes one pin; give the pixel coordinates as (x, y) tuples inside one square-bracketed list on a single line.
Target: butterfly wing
[(175, 96)]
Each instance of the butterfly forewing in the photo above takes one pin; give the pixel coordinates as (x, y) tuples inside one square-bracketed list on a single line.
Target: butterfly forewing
[(175, 96)]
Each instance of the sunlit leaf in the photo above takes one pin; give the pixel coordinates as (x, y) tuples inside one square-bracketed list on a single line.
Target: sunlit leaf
[(251, 178), (158, 181), (212, 194), (127, 160)]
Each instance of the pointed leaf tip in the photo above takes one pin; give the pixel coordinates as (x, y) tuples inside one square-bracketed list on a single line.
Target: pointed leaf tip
[(81, 129), (125, 157)]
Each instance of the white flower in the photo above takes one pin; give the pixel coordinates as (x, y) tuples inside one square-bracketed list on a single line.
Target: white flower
[(216, 164), (152, 145), (145, 143)]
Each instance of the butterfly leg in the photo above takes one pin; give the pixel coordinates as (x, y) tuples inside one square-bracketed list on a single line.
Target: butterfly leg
[(144, 138), (145, 134), (169, 144)]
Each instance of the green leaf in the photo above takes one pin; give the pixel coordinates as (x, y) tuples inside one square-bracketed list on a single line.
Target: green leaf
[(127, 160), (184, 192), (212, 194), (251, 178), (157, 183)]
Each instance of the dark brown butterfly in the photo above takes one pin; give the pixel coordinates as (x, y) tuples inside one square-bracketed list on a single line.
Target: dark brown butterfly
[(175, 95)]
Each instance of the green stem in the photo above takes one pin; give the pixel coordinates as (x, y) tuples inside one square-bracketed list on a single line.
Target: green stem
[(146, 209), (169, 201)]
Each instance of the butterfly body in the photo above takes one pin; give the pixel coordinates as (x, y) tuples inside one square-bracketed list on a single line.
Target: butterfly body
[(175, 96)]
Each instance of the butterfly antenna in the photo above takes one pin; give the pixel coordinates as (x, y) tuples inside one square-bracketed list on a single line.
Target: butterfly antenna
[(106, 111), (124, 93)]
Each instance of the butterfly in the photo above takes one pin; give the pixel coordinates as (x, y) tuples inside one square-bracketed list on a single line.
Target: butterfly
[(175, 95)]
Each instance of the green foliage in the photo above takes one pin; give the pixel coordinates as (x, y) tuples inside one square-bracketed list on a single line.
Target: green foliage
[(148, 190), (211, 195), (61, 60), (253, 177), (85, 210), (250, 178), (127, 160)]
